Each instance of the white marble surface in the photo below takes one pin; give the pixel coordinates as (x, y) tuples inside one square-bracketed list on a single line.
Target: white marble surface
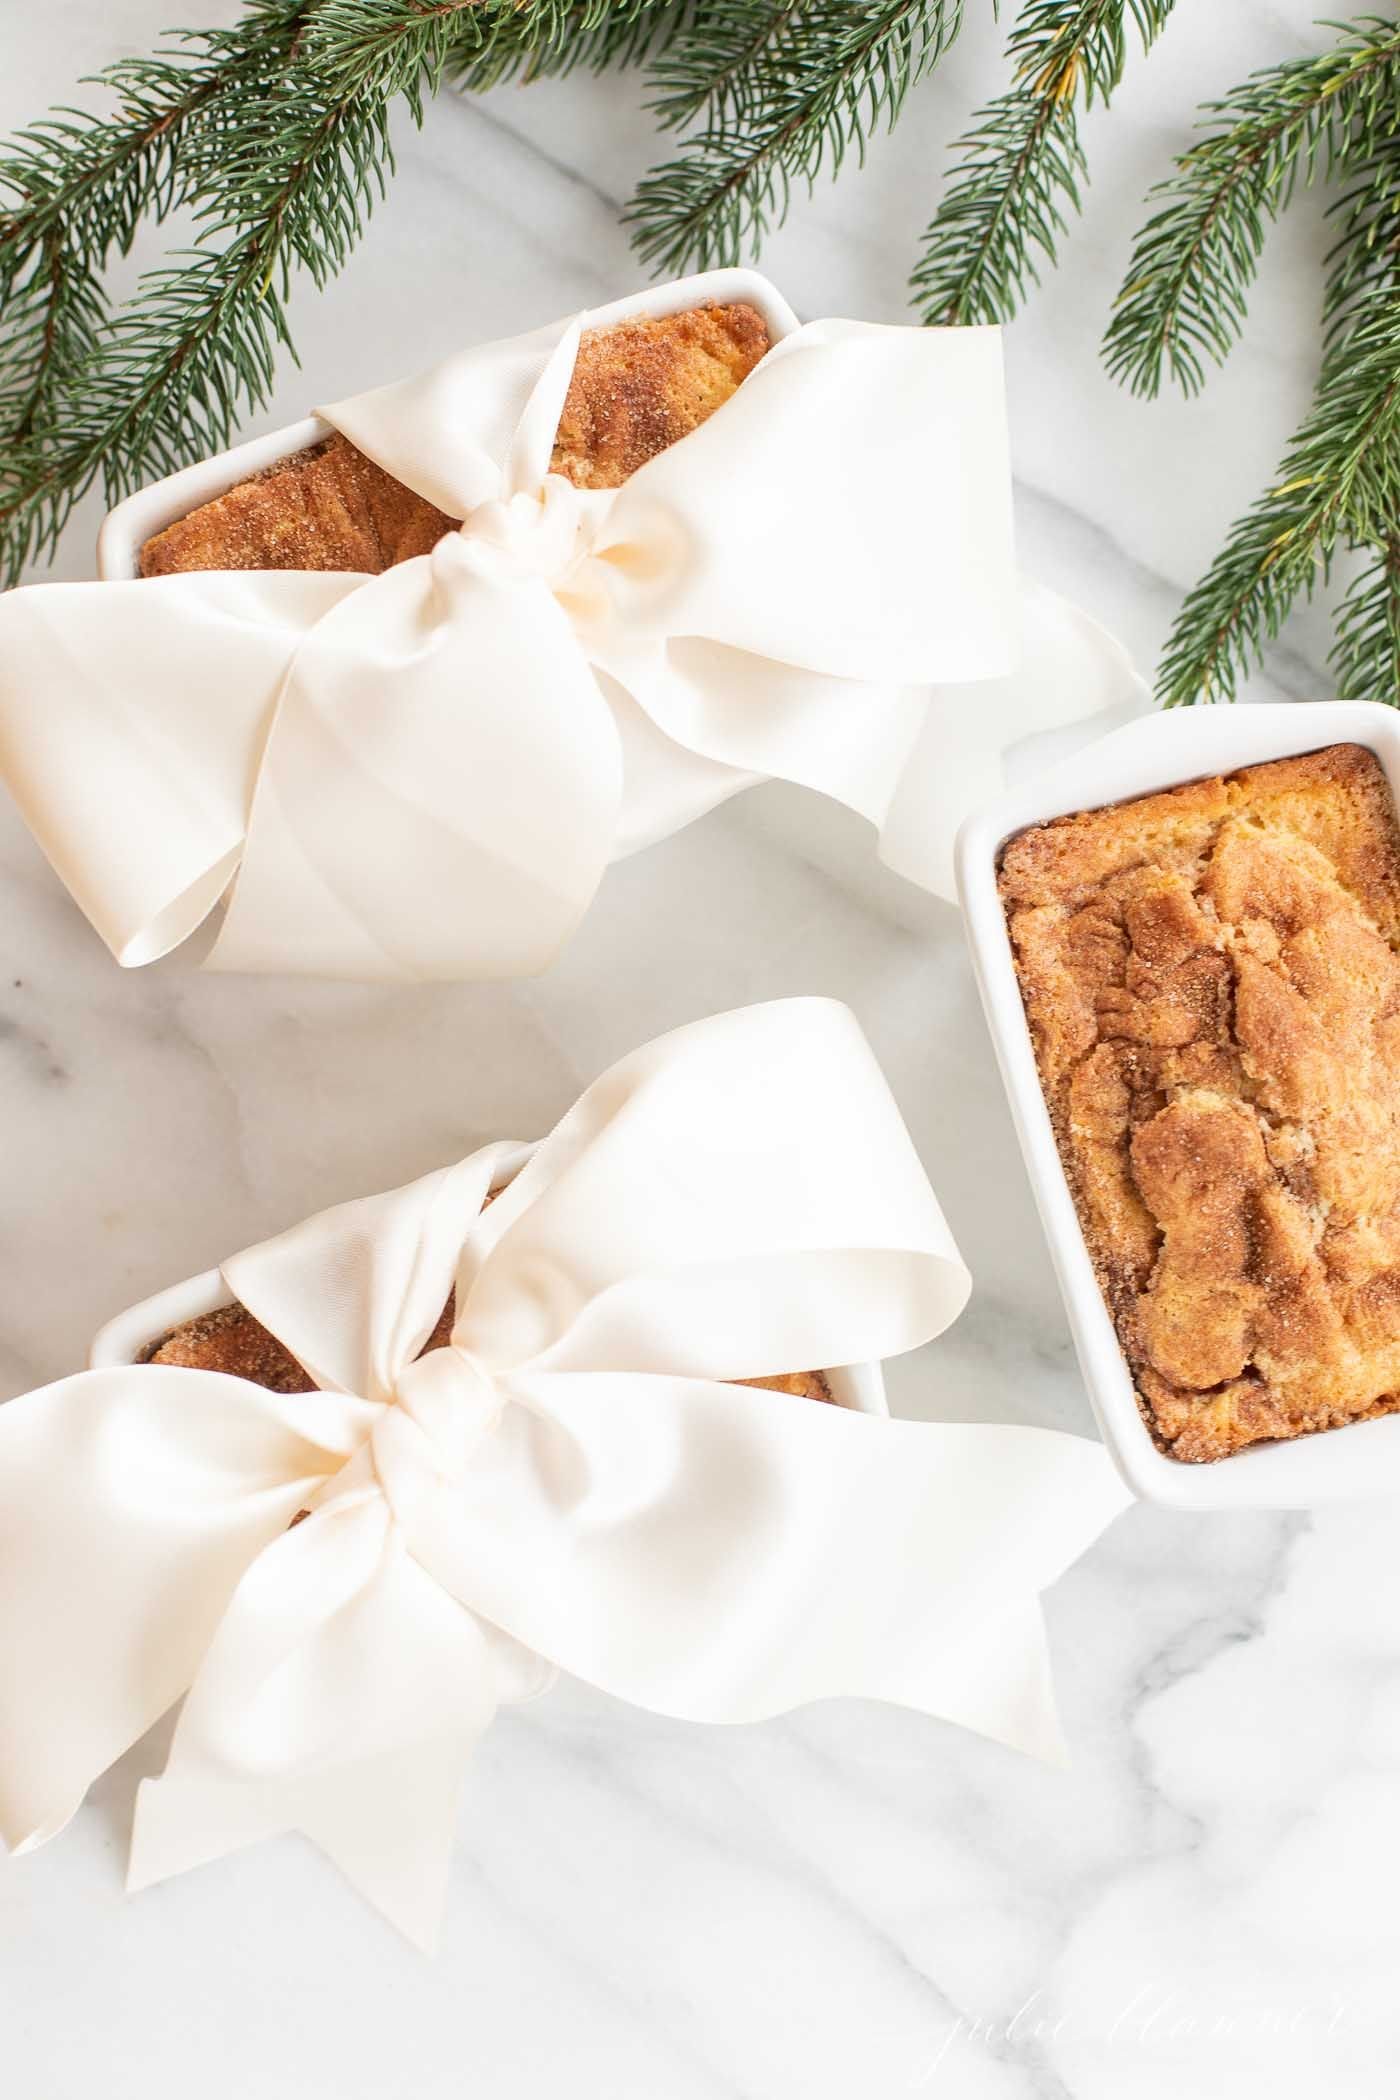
[(851, 1901)]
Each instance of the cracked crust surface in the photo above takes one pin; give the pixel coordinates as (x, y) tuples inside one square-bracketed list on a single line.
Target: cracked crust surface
[(1212, 983), (637, 387), (232, 1340)]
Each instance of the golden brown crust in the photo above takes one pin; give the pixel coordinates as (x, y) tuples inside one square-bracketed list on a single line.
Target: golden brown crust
[(326, 508), (232, 1340), (637, 387), (804, 1385), (1213, 989), (641, 385)]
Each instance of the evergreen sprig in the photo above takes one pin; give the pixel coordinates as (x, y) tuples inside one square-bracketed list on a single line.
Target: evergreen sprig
[(73, 190), (1194, 263), (173, 371), (85, 394), (769, 95), (1337, 489), (1021, 165)]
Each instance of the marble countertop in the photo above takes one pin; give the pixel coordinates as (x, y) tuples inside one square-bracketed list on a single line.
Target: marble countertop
[(852, 1900)]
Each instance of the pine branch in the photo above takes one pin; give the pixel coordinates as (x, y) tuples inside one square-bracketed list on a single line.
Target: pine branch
[(778, 92), (1364, 271), (77, 187), (1021, 166), (1336, 487), (1185, 296), (298, 175)]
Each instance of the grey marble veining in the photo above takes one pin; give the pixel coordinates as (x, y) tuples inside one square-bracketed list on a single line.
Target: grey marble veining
[(851, 1900)]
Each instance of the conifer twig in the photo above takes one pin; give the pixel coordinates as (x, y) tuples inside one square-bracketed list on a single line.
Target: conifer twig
[(1188, 283), (775, 93), (1021, 166), (164, 378), (1336, 487), (76, 190)]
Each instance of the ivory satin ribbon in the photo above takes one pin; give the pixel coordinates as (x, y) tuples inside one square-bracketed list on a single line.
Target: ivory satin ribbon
[(572, 1482), (424, 774)]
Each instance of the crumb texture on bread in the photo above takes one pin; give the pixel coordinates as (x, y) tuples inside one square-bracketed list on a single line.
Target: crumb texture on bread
[(637, 387), (232, 1340), (1213, 989)]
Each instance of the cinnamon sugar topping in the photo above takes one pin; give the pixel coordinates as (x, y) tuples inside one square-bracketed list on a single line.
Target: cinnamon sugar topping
[(1213, 987)]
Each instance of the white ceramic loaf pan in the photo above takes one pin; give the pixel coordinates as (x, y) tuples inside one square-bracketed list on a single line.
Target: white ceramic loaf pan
[(126, 1339), (1361, 1459), (132, 523)]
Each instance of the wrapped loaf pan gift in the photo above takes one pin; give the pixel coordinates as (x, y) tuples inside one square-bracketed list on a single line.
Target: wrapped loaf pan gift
[(348, 1525), (395, 685)]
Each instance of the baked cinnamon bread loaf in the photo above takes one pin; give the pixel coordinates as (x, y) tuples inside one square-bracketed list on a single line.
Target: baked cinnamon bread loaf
[(636, 388), (1213, 988), (231, 1340)]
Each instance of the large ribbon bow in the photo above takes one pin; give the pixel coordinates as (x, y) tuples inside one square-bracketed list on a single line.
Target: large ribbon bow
[(567, 1483), (424, 774)]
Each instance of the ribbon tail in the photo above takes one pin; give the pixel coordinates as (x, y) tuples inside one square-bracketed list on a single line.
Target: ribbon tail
[(400, 1864), (132, 716), (719, 1555), (998, 1682), (721, 718), (131, 1501), (1071, 673), (666, 784), (914, 762), (340, 1697)]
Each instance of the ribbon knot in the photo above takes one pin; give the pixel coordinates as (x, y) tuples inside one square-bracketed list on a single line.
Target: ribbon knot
[(546, 535), (534, 533), (443, 1406)]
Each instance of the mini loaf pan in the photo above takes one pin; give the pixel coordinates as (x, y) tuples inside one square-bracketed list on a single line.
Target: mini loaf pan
[(127, 528), (127, 1338), (1164, 751)]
